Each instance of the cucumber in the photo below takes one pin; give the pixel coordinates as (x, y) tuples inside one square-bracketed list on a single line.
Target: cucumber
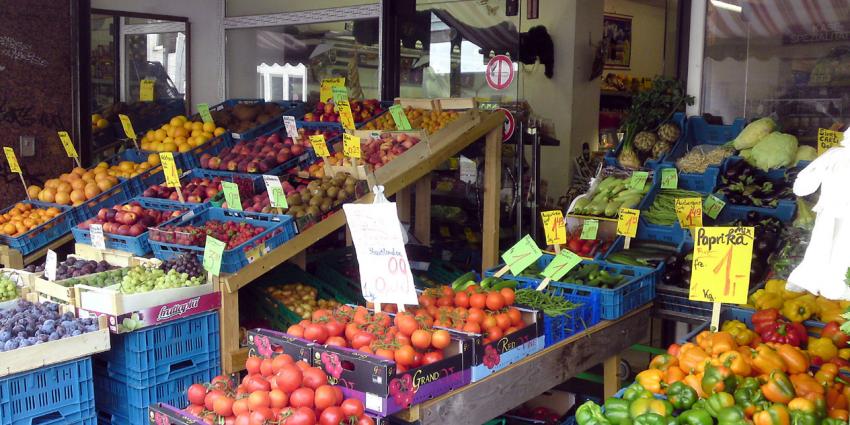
[(462, 279), (612, 208), (620, 258), (581, 205)]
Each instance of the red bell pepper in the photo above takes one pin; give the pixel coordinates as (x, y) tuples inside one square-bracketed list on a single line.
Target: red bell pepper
[(832, 330), (764, 319), (784, 332)]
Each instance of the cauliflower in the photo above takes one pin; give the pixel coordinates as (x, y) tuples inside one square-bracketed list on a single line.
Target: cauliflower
[(777, 150), (754, 132)]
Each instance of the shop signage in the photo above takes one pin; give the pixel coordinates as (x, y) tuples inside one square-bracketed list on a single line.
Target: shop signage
[(500, 72), (509, 126), (721, 266)]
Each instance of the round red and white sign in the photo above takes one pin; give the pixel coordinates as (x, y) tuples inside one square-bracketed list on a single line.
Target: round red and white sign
[(500, 72), (509, 126)]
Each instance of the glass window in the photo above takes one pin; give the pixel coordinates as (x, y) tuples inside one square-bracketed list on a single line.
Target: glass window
[(103, 66), (157, 56)]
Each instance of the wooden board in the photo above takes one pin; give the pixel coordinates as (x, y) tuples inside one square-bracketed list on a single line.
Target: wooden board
[(481, 401), (12, 258), (111, 256)]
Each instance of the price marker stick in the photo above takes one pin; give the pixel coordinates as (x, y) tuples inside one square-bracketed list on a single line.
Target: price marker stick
[(15, 167), (172, 179), (523, 254), (715, 316), (565, 261), (69, 146), (128, 129)]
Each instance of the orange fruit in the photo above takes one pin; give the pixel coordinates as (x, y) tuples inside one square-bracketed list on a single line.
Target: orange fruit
[(9, 229), (47, 195), (33, 191), (78, 184), (51, 183), (153, 159), (91, 190), (219, 131), (79, 171), (63, 198), (77, 196)]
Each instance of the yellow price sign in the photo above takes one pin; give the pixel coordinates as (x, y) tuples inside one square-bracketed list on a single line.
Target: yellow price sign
[(345, 115), (627, 222), (146, 90), (326, 89), (554, 227), (828, 139), (351, 145), (172, 178), (12, 159), (720, 271), (68, 144), (689, 212), (319, 145), (128, 126)]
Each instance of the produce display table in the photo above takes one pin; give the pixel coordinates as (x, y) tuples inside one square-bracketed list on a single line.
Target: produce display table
[(481, 401), (396, 175), (12, 258)]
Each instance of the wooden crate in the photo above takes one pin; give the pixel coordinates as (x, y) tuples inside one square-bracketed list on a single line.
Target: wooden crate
[(25, 278), (444, 103), (112, 302), (111, 256)]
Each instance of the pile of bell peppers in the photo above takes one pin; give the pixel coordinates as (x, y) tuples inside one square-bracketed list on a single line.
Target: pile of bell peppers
[(797, 306)]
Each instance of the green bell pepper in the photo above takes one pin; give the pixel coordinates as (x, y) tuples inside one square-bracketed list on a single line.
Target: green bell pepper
[(750, 399), (649, 405), (695, 417), (804, 418), (718, 379), (833, 421), (749, 383), (590, 413), (681, 396), (650, 419), (636, 391), (718, 401), (732, 415), (617, 411)]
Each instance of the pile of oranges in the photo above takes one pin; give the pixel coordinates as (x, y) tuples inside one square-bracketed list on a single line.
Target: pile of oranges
[(128, 169), (24, 217), (179, 135), (75, 187), (429, 120)]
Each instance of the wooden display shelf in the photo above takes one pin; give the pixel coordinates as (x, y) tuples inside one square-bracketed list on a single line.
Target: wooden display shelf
[(398, 174), (481, 401), (13, 259)]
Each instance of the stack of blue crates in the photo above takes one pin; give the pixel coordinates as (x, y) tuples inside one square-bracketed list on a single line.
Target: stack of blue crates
[(155, 365), (52, 395)]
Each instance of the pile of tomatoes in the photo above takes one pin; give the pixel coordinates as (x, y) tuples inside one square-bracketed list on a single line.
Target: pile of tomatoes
[(275, 391), (406, 339), (471, 310)]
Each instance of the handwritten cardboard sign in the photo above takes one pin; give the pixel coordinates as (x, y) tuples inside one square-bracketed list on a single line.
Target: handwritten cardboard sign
[(720, 271)]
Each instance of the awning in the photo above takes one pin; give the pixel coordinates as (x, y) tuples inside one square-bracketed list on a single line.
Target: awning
[(796, 21)]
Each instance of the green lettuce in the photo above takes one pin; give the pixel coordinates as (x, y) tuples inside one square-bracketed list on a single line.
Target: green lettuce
[(777, 150), (754, 132)]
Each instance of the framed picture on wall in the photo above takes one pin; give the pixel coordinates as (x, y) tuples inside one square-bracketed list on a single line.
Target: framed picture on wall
[(617, 34)]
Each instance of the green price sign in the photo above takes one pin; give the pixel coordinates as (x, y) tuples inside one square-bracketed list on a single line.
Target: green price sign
[(638, 179), (712, 206), (523, 254), (400, 118), (561, 264), (669, 178), (231, 195), (589, 229), (213, 250)]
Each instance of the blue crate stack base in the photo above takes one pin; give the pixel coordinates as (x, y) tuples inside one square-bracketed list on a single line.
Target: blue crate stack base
[(52, 395)]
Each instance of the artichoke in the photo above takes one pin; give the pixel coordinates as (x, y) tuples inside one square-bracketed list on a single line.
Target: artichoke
[(645, 140), (669, 132), (661, 148)]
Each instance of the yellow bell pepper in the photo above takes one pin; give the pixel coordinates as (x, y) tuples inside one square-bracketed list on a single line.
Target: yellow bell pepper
[(797, 310), (812, 301), (844, 353), (763, 300), (776, 286), (826, 304), (823, 348), (739, 331), (832, 315)]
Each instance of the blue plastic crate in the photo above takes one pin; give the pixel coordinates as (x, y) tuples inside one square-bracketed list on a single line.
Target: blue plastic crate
[(637, 291), (115, 195), (279, 229), (156, 178), (192, 158), (559, 328), (42, 235), (57, 394), (294, 108), (611, 156), (163, 352), (136, 245), (700, 132)]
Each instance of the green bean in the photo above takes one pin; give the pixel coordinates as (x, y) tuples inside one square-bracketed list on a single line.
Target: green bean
[(550, 304)]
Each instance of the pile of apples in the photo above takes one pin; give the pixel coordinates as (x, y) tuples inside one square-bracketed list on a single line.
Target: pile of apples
[(258, 155), (379, 151), (197, 190), (362, 110), (128, 220)]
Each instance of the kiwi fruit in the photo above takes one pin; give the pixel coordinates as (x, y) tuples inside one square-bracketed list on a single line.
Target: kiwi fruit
[(332, 192), (315, 201), (313, 210), (326, 205), (294, 199), (317, 193), (342, 194)]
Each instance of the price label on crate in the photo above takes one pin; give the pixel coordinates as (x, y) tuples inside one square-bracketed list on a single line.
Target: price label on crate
[(326, 89), (350, 145), (275, 191), (70, 150), (712, 206), (523, 254), (169, 168), (256, 252), (638, 180), (50, 265), (339, 93), (128, 126), (96, 236), (828, 139), (231, 195), (669, 178), (345, 115), (720, 271), (400, 119), (689, 212), (627, 222), (146, 90), (561, 264), (554, 227), (290, 126), (204, 112), (319, 145), (213, 251), (12, 160), (468, 170), (385, 275), (589, 229)]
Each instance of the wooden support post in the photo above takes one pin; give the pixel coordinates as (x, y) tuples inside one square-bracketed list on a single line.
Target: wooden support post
[(402, 202), (492, 187), (229, 325), (611, 380), (422, 228)]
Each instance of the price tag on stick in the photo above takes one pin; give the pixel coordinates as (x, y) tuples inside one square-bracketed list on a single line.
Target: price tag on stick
[(169, 169), (15, 167), (523, 254), (712, 206), (128, 129), (213, 251), (627, 222), (339, 93), (326, 89), (669, 178), (69, 146), (96, 236), (291, 127), (275, 191), (689, 212), (400, 119), (146, 90), (50, 265), (204, 112), (638, 180), (589, 229), (554, 228), (345, 115), (351, 146), (319, 145), (561, 264), (231, 195)]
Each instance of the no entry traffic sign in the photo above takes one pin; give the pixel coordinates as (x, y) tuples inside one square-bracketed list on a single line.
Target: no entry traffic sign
[(509, 125), (500, 72)]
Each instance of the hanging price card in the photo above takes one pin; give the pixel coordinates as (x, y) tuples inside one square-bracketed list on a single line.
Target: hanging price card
[(319, 145), (172, 178), (345, 116), (213, 250), (399, 118), (12, 160), (326, 89), (561, 264), (350, 145), (523, 254), (204, 112), (720, 271), (50, 265), (291, 128), (627, 222), (554, 227), (68, 144), (689, 212), (712, 206), (96, 236), (128, 126), (231, 195), (638, 180), (275, 191), (828, 139), (146, 90), (589, 229), (468, 170), (339, 93), (669, 178)]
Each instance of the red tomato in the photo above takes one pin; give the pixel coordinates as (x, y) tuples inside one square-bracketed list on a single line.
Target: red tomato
[(508, 295), (302, 365), (425, 318), (441, 339), (503, 320), (325, 397), (331, 416), (426, 300), (302, 416), (406, 324), (478, 301), (289, 378), (462, 299), (252, 365), (281, 360), (421, 339), (259, 399), (197, 393), (365, 420), (352, 407), (243, 419), (211, 397), (361, 338), (257, 383), (278, 399), (336, 341), (321, 314), (432, 357), (476, 315), (445, 301), (302, 397), (221, 382), (385, 353), (266, 368), (241, 406), (296, 331), (495, 301), (260, 416), (334, 328), (223, 406), (489, 322), (405, 355), (314, 378), (316, 332), (339, 396), (351, 329), (516, 316), (494, 333), (472, 327), (195, 409)]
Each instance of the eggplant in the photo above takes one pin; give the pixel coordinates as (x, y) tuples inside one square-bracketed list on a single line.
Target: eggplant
[(685, 268), (671, 278)]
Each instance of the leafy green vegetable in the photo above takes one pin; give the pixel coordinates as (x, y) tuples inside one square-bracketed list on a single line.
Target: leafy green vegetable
[(805, 153), (777, 150), (653, 107), (754, 132)]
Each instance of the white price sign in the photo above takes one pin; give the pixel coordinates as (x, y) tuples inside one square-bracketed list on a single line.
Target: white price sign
[(291, 128), (50, 265), (275, 192), (384, 269), (96, 234)]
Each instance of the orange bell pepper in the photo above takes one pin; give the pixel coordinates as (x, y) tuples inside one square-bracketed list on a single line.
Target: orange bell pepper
[(802, 404), (805, 384), (690, 356), (673, 374), (703, 340), (826, 374), (794, 358), (835, 399), (735, 361), (695, 382), (663, 361), (839, 414), (651, 380), (722, 342), (766, 360), (673, 349), (778, 388), (776, 414)]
